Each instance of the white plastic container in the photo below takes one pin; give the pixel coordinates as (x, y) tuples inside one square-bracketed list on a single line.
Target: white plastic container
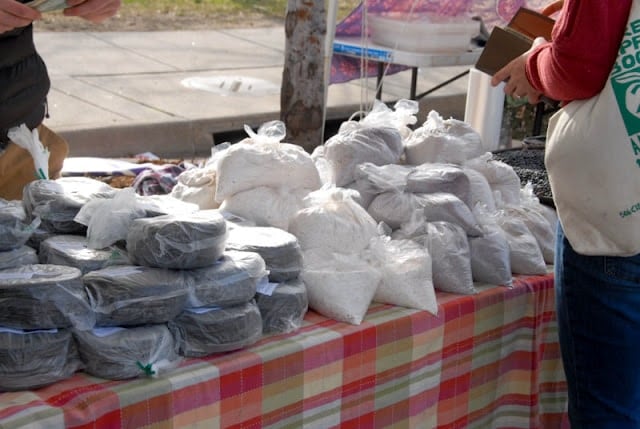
[(425, 33), (484, 108)]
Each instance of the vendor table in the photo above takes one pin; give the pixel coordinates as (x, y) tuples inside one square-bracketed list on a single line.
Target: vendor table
[(486, 361), (382, 55)]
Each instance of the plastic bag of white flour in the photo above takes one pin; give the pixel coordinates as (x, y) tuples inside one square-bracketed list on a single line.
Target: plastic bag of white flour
[(263, 160), (400, 117), (436, 177), (440, 141), (524, 252), (334, 221), (490, 253), (339, 286), (198, 186), (480, 189), (501, 176), (406, 274), (266, 205), (346, 150), (451, 258)]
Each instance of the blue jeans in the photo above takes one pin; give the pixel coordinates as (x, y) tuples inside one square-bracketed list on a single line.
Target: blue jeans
[(598, 304)]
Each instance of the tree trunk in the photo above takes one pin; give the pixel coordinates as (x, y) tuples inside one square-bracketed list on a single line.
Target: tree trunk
[(302, 94)]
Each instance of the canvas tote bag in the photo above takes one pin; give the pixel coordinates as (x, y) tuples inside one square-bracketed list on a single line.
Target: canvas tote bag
[(592, 156)]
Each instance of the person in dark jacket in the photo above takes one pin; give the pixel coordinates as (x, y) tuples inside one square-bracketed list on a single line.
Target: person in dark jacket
[(24, 85)]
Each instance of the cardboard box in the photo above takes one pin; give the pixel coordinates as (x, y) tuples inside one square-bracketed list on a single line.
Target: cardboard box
[(506, 44)]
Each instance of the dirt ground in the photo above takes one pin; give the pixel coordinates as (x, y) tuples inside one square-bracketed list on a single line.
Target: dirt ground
[(131, 20)]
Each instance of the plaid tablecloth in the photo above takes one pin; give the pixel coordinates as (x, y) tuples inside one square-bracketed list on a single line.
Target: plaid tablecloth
[(486, 361)]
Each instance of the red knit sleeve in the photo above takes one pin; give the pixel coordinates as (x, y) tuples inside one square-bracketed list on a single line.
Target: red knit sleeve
[(586, 38)]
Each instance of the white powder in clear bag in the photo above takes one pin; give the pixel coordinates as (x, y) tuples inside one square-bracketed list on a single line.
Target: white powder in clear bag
[(525, 254), (339, 286), (333, 221), (406, 274), (266, 205), (249, 165)]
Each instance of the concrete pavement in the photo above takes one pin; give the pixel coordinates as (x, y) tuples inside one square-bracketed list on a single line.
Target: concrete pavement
[(116, 94)]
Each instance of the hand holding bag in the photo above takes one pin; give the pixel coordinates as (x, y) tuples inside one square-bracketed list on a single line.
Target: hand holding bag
[(592, 158)]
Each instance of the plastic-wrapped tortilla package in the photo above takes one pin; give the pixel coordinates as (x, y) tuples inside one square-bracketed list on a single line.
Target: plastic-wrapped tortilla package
[(333, 221), (158, 205), (119, 353), (108, 220), (57, 202), (24, 255), (339, 286), (33, 359), (184, 241), (431, 178), (346, 150), (267, 206), (42, 296), (73, 251), (279, 249), (15, 230), (204, 331), (451, 258), (235, 220), (38, 236), (232, 280), (126, 295), (406, 274), (246, 166), (283, 308)]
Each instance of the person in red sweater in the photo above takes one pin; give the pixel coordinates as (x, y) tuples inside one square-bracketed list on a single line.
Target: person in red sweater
[(598, 297)]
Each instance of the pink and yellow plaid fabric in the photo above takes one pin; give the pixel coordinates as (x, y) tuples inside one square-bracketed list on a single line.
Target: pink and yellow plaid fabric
[(486, 361)]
